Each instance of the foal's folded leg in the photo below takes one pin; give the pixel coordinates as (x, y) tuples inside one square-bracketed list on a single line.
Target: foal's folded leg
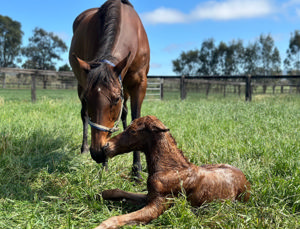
[(148, 213), (119, 195)]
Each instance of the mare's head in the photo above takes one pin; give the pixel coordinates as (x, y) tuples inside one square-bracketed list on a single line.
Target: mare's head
[(103, 96), (137, 136)]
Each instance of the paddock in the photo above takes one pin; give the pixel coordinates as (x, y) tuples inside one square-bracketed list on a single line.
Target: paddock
[(47, 183)]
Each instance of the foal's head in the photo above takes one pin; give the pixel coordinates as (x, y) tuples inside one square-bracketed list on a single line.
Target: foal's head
[(137, 136)]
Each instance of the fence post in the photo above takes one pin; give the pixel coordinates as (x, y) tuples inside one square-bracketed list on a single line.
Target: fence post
[(161, 88), (182, 88), (33, 87), (248, 88), (4, 80), (207, 89)]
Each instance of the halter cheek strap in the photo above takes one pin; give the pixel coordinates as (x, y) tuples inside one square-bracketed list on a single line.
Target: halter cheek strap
[(115, 128)]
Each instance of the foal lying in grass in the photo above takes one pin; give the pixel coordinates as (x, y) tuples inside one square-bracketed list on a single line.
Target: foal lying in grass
[(169, 173)]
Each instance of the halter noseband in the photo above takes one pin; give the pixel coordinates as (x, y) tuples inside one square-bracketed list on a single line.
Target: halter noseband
[(115, 128)]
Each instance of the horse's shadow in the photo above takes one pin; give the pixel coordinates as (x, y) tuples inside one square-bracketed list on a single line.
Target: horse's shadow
[(31, 159)]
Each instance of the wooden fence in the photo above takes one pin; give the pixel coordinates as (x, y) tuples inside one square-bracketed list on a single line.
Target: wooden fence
[(30, 78), (241, 84)]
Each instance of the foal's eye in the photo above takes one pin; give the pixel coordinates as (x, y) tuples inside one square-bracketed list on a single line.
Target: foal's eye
[(133, 132)]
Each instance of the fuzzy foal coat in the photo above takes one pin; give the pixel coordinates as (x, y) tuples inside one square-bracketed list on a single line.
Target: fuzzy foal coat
[(169, 173)]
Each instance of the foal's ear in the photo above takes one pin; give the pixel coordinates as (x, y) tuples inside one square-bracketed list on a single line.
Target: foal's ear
[(122, 64), (83, 65), (158, 127)]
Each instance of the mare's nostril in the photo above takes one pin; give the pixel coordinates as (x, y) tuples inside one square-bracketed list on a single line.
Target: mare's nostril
[(105, 147)]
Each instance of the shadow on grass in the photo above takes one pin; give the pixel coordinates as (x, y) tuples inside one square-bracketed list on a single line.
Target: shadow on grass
[(26, 165)]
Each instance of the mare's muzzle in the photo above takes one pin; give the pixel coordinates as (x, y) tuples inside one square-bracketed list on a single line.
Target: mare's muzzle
[(100, 156)]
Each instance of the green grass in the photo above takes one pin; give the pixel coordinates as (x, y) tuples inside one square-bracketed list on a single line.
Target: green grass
[(46, 183)]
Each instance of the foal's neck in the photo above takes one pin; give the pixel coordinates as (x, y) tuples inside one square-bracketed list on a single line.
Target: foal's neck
[(163, 154)]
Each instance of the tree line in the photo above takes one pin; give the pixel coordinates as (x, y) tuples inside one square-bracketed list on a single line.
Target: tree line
[(260, 57), (43, 48)]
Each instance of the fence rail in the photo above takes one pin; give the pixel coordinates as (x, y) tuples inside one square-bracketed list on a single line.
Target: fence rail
[(248, 83), (31, 78)]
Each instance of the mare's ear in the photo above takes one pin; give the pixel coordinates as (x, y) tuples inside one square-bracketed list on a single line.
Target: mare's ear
[(122, 64), (83, 65)]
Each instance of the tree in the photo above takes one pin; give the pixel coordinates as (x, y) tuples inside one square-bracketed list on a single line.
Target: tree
[(251, 58), (266, 51), (65, 67), (187, 64), (43, 48), (10, 41), (207, 57), (234, 59), (276, 62), (220, 56), (292, 62)]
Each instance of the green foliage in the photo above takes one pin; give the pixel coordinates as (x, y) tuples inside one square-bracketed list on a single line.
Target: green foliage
[(10, 41), (46, 183), (260, 57), (65, 67), (292, 62), (43, 48)]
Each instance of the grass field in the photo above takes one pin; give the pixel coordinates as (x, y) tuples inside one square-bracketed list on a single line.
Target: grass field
[(46, 183)]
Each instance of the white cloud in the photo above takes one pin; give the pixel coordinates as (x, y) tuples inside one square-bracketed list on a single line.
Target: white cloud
[(164, 15), (232, 9), (212, 10)]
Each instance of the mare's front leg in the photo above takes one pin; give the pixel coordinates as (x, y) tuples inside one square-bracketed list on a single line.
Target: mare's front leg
[(124, 112), (137, 96), (119, 195), (143, 216), (84, 118)]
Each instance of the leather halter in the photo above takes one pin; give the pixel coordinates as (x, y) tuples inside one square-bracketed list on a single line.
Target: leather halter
[(115, 128)]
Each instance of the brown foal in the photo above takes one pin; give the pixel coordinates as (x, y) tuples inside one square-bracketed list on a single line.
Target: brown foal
[(169, 174)]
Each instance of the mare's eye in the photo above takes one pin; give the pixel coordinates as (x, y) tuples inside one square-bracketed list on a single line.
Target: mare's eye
[(116, 101)]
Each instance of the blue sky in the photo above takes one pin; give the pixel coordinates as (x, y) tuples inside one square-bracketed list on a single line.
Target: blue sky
[(172, 26)]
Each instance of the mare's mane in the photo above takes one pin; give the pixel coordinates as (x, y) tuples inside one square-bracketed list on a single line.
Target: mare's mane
[(109, 15)]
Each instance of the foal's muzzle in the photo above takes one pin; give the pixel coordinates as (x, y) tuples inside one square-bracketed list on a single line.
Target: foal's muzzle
[(99, 155)]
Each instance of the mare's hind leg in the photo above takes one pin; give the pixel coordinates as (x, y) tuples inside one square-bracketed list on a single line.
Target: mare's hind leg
[(119, 195)]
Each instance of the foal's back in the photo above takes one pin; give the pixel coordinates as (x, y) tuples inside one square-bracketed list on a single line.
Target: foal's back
[(219, 181)]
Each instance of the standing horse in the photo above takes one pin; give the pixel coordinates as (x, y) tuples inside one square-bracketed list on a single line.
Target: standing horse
[(110, 56)]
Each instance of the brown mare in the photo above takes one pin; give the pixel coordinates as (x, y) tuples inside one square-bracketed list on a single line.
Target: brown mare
[(110, 56), (169, 174)]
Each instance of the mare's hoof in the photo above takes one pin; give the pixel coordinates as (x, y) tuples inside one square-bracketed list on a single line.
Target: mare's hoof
[(85, 149), (136, 175)]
